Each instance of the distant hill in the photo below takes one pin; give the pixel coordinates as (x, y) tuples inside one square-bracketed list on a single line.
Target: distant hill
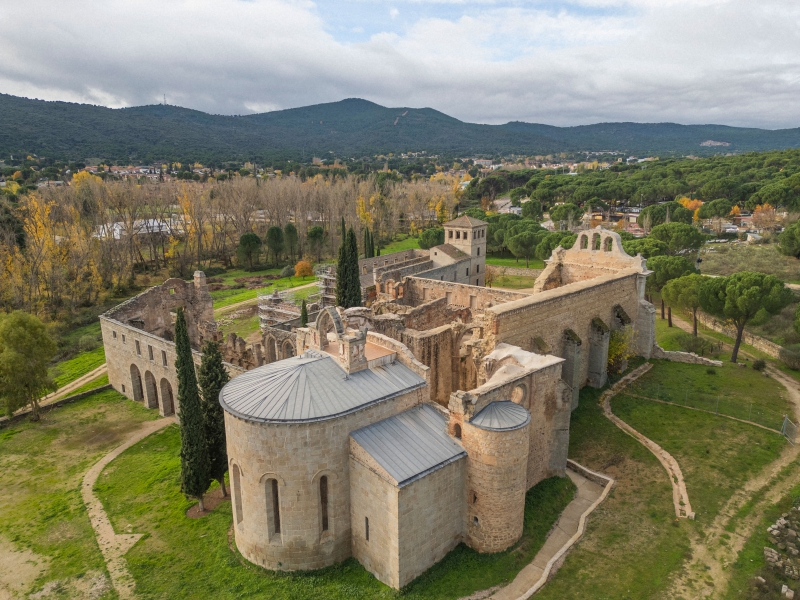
[(349, 128)]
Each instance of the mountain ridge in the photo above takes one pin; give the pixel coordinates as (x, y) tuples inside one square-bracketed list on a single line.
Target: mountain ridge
[(352, 127)]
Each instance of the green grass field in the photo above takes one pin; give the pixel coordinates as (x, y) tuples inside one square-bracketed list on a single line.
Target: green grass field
[(514, 282), (189, 558), (69, 370), (401, 242), (508, 260), (91, 385), (223, 298), (724, 259), (42, 465)]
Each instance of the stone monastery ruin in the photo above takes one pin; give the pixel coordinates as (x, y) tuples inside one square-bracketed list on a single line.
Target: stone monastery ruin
[(392, 433)]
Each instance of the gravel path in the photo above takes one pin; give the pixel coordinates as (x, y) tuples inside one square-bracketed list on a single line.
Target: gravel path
[(114, 545)]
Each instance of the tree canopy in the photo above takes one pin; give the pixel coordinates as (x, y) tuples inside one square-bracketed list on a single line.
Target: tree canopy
[(678, 237), (684, 293), (249, 248), (741, 297), (26, 348), (212, 376), (275, 242)]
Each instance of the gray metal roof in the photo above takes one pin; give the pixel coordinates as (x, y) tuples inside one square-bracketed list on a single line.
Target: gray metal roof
[(501, 416), (410, 445), (312, 387)]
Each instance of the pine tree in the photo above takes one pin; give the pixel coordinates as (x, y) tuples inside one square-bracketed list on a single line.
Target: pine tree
[(194, 454), (303, 314), (212, 376)]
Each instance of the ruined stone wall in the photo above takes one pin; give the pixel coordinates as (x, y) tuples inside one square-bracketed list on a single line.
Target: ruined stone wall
[(496, 485), (435, 349), (431, 515), (394, 258), (373, 497), (297, 455), (152, 311), (547, 315), (470, 296)]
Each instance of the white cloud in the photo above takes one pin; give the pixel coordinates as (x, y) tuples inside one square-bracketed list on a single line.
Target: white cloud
[(727, 61)]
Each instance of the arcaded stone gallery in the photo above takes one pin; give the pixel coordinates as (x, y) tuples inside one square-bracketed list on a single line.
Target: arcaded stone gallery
[(395, 431)]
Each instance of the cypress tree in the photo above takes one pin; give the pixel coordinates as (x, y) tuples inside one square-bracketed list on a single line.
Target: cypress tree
[(344, 231), (365, 241), (353, 278), (194, 454), (303, 314), (341, 279), (212, 376)]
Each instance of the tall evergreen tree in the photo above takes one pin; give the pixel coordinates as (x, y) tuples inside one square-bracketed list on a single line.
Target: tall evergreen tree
[(353, 277), (303, 314), (341, 269), (344, 230), (194, 453), (212, 376)]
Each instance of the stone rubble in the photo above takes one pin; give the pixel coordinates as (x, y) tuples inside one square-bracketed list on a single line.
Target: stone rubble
[(784, 559)]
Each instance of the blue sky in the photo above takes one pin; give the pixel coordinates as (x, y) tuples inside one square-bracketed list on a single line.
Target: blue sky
[(734, 62)]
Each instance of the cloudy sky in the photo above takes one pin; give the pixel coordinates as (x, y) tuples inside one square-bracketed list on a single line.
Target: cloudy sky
[(735, 62)]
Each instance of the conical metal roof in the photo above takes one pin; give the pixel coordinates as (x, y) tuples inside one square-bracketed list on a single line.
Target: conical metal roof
[(312, 387), (501, 416)]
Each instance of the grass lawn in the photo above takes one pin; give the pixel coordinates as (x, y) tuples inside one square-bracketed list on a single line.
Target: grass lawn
[(631, 545), (733, 390), (186, 558), (716, 455), (401, 242), (224, 298), (42, 465), (508, 260), (69, 370), (724, 259), (93, 384), (514, 282), (242, 326)]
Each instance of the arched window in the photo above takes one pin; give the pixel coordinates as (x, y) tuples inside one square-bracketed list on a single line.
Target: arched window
[(608, 243), (237, 493), (457, 431), (273, 507), (584, 242), (323, 500), (479, 251)]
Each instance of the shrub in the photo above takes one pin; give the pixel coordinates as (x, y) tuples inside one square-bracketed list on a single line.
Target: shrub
[(759, 364), (620, 349), (711, 371), (303, 269), (288, 271), (688, 343), (88, 342)]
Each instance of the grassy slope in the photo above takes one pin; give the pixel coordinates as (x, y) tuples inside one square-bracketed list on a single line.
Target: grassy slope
[(41, 467), (224, 298), (511, 261), (69, 370), (184, 558), (724, 259)]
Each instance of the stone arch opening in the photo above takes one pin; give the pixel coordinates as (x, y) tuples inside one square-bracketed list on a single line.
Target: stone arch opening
[(167, 399), (151, 389), (596, 241), (608, 244), (271, 353), (584, 243), (287, 349), (457, 431), (364, 271), (136, 384)]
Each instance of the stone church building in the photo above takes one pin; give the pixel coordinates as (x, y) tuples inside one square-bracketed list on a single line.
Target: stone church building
[(395, 432)]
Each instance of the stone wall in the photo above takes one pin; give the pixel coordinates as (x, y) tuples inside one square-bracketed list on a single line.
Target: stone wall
[(546, 316), (431, 513), (683, 357), (496, 484), (459, 294), (297, 455), (517, 271), (373, 497), (757, 342)]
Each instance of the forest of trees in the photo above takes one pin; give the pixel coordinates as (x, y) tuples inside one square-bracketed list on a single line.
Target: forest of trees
[(63, 248)]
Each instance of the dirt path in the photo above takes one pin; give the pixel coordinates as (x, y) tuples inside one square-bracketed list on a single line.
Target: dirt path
[(74, 385), (224, 309), (113, 545), (707, 573), (680, 497)]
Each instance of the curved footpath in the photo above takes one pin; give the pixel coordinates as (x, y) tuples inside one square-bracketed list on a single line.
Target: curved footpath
[(592, 490), (113, 545), (680, 497)]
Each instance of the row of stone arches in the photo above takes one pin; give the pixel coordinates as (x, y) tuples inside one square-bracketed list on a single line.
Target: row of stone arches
[(149, 392)]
